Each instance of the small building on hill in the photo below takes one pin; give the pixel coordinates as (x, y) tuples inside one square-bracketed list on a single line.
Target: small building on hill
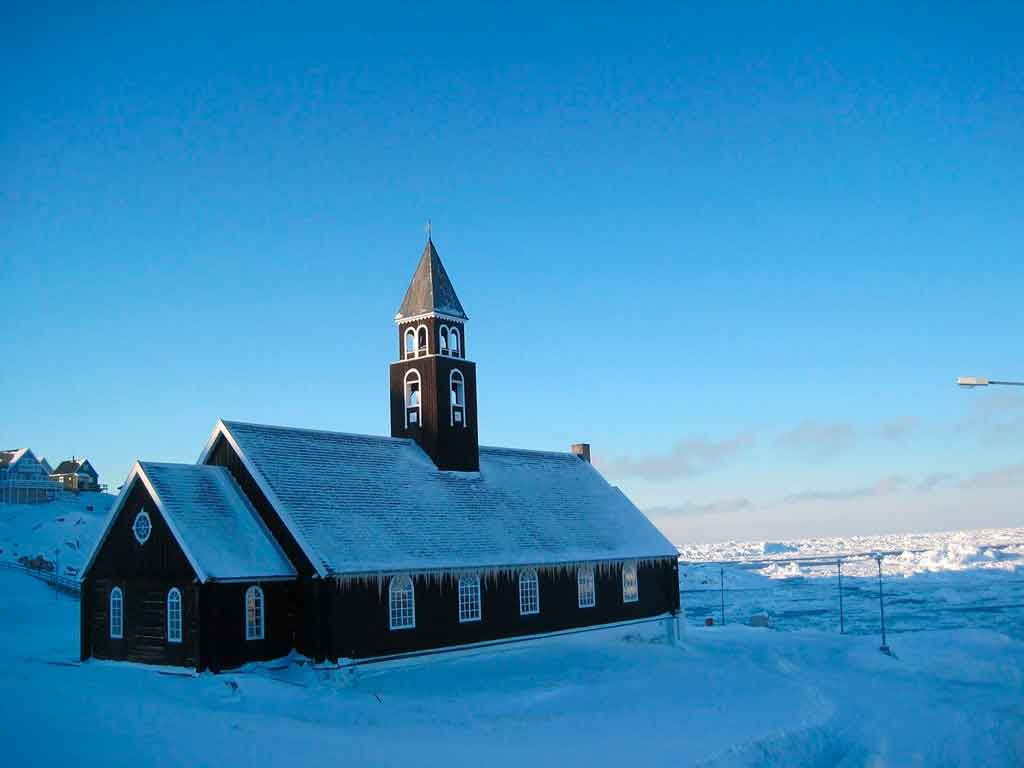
[(359, 546), (76, 474), (24, 478)]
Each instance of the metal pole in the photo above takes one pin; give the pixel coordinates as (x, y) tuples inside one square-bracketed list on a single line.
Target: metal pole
[(721, 576), (842, 626), (881, 607), (56, 575)]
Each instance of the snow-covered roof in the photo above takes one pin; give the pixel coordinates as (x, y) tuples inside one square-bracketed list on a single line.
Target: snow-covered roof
[(431, 289), (75, 466), (221, 534), (11, 457), (369, 504)]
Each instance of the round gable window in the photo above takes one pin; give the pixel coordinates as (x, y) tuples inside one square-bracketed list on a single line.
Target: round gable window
[(142, 527)]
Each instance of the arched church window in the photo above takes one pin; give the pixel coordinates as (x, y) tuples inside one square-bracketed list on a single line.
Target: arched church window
[(630, 586), (586, 592), (174, 615), (453, 342), (116, 613), (254, 614), (443, 340), (529, 592), (401, 603), (422, 339), (458, 397), (469, 599), (412, 398), (410, 343)]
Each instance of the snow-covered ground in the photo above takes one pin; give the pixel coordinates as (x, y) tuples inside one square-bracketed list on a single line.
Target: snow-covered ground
[(70, 525), (723, 696), (958, 579), (732, 696)]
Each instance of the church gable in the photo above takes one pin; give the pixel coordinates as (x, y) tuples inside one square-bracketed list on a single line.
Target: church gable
[(138, 541), (203, 512)]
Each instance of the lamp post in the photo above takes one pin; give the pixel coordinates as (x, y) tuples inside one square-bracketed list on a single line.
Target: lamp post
[(980, 381), (721, 576), (881, 608), (842, 627)]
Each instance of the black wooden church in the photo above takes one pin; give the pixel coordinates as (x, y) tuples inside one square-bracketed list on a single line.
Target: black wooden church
[(357, 546)]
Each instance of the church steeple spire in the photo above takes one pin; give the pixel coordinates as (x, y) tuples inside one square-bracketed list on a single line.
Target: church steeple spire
[(431, 289), (433, 385)]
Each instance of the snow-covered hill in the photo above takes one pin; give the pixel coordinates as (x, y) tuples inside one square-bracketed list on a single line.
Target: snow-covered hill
[(69, 525), (732, 696)]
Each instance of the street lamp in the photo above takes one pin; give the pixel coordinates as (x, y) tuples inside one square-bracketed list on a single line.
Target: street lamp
[(981, 381)]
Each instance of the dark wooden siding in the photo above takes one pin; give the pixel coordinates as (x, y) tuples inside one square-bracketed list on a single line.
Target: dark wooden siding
[(145, 573), (450, 447), (433, 325), (223, 614), (144, 623), (213, 614), (123, 556), (360, 618), (308, 630)]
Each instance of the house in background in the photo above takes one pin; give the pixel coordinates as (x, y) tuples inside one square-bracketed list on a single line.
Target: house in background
[(24, 479), (76, 474), (362, 546)]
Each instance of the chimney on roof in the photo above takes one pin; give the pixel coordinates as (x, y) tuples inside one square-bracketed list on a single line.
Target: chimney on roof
[(582, 450)]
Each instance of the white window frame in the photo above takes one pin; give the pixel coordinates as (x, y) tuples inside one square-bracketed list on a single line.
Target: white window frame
[(174, 606), (451, 397), (470, 599), (630, 582), (142, 516), (401, 614), (442, 343), (116, 630), (586, 587), (406, 352), (425, 350), (529, 593), (255, 627), (454, 349), (412, 376)]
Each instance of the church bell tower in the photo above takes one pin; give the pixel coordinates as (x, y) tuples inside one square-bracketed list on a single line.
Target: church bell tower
[(433, 385)]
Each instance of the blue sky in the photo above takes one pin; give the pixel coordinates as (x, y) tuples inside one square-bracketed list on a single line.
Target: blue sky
[(743, 252)]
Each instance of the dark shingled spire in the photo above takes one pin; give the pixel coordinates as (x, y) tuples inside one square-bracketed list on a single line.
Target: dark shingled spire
[(430, 290)]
